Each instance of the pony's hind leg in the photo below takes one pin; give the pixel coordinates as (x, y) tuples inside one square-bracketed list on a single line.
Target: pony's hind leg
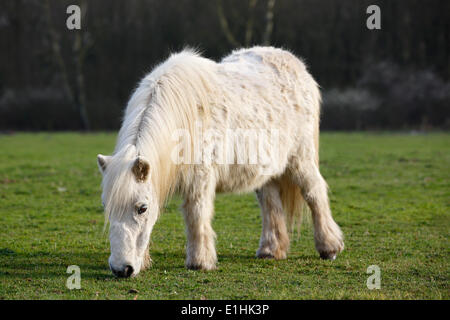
[(198, 209), (327, 234), (274, 242)]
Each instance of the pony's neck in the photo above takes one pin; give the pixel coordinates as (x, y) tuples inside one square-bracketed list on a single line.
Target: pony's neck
[(172, 97), (163, 171)]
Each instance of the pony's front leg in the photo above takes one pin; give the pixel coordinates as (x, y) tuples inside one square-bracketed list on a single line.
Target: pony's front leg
[(198, 211)]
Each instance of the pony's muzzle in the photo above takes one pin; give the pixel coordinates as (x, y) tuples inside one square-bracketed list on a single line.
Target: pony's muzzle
[(125, 272)]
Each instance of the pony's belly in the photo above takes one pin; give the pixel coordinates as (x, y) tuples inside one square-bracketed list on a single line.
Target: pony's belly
[(242, 178)]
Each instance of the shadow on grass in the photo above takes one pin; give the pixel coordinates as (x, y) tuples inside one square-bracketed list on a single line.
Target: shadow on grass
[(45, 265)]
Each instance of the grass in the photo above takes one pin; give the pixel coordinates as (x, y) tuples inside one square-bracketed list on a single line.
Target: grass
[(389, 193)]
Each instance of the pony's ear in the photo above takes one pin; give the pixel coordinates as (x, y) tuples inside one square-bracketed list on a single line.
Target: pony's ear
[(141, 169), (102, 162)]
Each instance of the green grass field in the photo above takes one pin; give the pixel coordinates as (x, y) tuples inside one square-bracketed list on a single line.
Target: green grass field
[(389, 193)]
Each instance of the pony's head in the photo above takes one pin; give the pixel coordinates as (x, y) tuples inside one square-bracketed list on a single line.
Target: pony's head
[(131, 208)]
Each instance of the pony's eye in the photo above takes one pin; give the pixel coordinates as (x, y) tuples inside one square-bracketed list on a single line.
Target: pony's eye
[(142, 209)]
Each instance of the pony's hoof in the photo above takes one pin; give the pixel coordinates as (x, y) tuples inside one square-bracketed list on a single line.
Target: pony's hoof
[(328, 255), (198, 266), (193, 267), (276, 254), (330, 249), (264, 255)]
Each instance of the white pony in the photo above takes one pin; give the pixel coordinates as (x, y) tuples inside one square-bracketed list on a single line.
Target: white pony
[(199, 102)]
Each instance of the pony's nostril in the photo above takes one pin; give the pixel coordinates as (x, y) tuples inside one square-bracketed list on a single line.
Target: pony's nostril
[(128, 271), (124, 273)]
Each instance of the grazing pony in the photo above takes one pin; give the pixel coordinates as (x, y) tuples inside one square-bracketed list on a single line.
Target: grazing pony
[(175, 135)]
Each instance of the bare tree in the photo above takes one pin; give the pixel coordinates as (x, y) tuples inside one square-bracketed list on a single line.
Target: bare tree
[(225, 27), (76, 94), (249, 28), (269, 22), (250, 22)]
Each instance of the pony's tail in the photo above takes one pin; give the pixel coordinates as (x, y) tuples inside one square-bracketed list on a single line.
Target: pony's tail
[(294, 205)]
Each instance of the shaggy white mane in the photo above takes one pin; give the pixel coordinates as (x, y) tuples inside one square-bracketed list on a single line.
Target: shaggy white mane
[(172, 96)]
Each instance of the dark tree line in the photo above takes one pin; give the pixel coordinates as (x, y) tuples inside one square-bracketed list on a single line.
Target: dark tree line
[(52, 78)]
